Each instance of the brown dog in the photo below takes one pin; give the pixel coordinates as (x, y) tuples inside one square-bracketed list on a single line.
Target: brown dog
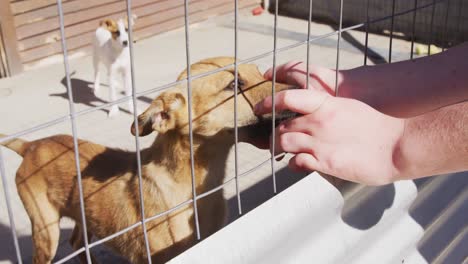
[(47, 182)]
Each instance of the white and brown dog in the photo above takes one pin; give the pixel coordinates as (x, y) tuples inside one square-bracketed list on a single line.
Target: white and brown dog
[(111, 48)]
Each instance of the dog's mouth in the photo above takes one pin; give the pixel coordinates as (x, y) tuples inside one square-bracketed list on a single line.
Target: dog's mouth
[(259, 132)]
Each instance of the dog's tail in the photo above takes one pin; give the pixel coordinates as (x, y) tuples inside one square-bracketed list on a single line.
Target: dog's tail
[(16, 144)]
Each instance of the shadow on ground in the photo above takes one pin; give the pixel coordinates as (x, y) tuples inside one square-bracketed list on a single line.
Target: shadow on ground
[(442, 211), (8, 253), (262, 191), (83, 93)]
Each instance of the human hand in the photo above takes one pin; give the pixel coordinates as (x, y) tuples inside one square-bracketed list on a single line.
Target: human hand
[(337, 136), (295, 72)]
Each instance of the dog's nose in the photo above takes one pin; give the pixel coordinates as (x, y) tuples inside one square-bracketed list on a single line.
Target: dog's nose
[(125, 43)]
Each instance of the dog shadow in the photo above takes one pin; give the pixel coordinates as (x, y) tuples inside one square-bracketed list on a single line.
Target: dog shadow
[(83, 94), (261, 192), (435, 195), (380, 198), (377, 200), (8, 252), (441, 195)]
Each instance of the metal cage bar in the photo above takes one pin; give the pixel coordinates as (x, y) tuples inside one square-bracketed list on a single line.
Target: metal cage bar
[(309, 22), (391, 33), (74, 130), (366, 42), (340, 30), (189, 92), (444, 31), (72, 255), (135, 120), (431, 39), (236, 90), (459, 36), (413, 36), (273, 112)]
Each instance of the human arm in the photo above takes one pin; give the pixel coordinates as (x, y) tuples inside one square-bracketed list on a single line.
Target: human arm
[(401, 89), (434, 143)]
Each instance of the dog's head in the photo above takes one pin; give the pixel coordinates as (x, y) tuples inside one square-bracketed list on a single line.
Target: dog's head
[(212, 101), (118, 29)]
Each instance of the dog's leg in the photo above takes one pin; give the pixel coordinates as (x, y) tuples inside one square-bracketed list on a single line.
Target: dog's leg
[(114, 110), (76, 241), (44, 220), (127, 76), (97, 74), (45, 239)]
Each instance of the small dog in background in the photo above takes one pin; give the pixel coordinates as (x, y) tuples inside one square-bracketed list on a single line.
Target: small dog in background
[(111, 48)]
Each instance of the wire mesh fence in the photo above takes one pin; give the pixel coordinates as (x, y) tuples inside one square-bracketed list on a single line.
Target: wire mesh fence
[(435, 8)]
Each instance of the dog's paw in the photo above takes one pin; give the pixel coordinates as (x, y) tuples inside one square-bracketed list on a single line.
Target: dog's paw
[(114, 111), (96, 89)]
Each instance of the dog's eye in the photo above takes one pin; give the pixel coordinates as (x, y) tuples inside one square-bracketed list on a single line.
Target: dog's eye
[(126, 30), (240, 84), (117, 33)]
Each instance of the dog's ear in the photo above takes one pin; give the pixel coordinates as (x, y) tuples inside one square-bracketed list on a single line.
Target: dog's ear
[(130, 21), (109, 24), (161, 116), (251, 72)]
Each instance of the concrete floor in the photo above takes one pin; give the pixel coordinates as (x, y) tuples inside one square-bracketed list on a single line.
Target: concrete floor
[(39, 96)]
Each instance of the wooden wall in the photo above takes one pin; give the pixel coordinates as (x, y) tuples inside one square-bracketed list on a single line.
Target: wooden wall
[(37, 32)]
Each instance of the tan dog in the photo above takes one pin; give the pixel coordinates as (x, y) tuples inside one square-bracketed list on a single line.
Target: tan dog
[(47, 183)]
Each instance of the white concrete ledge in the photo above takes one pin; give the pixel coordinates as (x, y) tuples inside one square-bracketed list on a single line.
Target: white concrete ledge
[(310, 222)]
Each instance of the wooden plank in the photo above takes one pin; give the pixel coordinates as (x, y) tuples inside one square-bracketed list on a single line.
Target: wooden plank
[(3, 61), (91, 25), (154, 19), (19, 7), (51, 11), (50, 24), (194, 18), (198, 13), (72, 7), (53, 23), (81, 39), (196, 10), (9, 36)]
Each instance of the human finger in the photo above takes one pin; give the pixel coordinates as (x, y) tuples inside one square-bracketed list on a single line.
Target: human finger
[(304, 124), (282, 71), (304, 162), (295, 142), (296, 100)]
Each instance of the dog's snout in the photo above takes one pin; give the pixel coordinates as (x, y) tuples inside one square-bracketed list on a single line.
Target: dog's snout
[(125, 43)]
